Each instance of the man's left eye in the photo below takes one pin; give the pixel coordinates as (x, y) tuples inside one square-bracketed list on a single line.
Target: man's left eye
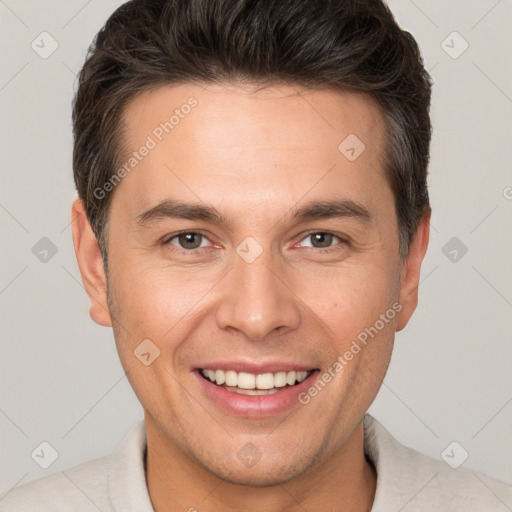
[(321, 239)]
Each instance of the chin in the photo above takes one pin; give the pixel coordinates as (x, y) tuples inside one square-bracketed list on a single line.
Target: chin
[(263, 477), (263, 473)]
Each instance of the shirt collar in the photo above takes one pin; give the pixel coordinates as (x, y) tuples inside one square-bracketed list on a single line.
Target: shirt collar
[(127, 487)]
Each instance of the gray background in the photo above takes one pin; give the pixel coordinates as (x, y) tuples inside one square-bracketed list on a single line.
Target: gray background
[(450, 377)]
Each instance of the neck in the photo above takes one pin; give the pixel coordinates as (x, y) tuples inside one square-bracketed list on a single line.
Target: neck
[(345, 480)]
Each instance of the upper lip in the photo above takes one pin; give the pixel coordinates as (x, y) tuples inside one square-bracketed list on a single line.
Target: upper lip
[(255, 368)]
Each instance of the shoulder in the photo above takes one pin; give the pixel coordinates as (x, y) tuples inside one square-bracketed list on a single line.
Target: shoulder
[(113, 482), (82, 487), (410, 480)]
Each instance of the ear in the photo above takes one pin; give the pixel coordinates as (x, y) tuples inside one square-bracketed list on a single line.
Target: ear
[(90, 263), (411, 271)]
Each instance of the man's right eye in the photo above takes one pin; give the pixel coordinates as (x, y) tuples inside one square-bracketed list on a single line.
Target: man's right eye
[(187, 240)]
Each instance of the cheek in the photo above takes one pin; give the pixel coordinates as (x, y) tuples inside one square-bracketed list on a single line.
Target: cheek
[(353, 298), (154, 300)]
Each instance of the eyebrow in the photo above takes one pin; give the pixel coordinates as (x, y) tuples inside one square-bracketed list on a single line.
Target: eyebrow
[(172, 208)]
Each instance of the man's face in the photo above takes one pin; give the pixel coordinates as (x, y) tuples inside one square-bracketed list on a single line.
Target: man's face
[(264, 291)]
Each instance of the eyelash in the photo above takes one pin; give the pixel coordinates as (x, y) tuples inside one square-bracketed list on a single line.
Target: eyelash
[(344, 241)]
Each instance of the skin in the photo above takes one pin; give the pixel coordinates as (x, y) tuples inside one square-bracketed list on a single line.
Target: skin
[(255, 156)]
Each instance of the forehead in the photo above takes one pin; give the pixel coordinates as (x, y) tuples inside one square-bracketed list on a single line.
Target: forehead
[(325, 115), (262, 146)]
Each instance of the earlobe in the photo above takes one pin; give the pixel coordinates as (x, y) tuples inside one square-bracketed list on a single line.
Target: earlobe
[(411, 271), (90, 263)]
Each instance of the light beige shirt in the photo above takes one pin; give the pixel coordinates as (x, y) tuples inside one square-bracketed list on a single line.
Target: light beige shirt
[(406, 481)]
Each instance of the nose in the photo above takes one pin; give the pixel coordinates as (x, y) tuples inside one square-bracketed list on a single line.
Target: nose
[(257, 299)]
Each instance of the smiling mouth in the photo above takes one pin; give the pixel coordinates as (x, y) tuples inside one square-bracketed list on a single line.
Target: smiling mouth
[(254, 384)]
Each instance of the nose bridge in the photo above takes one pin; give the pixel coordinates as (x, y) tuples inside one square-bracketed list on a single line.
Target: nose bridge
[(257, 299)]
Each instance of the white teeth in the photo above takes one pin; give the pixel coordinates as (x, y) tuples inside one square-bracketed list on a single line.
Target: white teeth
[(245, 380), (253, 391), (290, 378), (220, 376), (231, 378), (249, 381), (265, 381), (301, 376), (280, 379)]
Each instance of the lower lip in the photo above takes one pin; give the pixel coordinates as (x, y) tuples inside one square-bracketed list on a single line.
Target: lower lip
[(255, 406)]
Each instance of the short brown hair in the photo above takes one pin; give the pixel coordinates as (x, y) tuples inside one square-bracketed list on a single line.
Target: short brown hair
[(353, 45)]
